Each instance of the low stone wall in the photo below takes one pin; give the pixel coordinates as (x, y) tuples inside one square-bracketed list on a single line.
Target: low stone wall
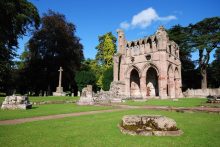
[(201, 92)]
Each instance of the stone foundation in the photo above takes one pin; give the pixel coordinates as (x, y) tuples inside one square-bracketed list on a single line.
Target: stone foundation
[(149, 125)]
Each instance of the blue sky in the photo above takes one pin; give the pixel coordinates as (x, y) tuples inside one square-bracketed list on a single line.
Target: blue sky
[(138, 18)]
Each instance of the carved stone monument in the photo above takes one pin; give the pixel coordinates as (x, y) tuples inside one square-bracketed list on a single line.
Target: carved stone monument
[(16, 102), (59, 90), (86, 97)]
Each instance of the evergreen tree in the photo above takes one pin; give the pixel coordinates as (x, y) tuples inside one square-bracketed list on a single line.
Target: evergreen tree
[(17, 17)]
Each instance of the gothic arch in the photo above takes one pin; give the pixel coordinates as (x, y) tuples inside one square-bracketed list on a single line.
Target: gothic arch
[(177, 82), (152, 85), (170, 71), (146, 67), (130, 68)]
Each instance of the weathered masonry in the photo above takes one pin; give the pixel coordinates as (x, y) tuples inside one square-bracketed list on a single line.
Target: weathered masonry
[(148, 68)]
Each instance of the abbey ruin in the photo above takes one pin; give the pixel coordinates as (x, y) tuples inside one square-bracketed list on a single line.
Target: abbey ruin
[(148, 67)]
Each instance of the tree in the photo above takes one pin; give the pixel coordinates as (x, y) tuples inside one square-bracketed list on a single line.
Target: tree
[(84, 78), (53, 45), (107, 78), (181, 35), (105, 51), (214, 70), (205, 37), (17, 17)]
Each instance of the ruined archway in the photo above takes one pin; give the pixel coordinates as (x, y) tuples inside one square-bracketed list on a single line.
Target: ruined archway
[(135, 84), (152, 89), (170, 82)]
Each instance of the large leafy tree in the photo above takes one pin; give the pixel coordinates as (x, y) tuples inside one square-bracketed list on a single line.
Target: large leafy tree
[(105, 51), (205, 37), (214, 71), (53, 45), (16, 18), (181, 35)]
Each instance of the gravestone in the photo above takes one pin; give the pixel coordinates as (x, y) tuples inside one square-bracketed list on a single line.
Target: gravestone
[(86, 97), (78, 94), (16, 102), (59, 90)]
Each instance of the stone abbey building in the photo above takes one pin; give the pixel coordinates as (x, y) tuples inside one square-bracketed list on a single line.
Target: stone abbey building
[(148, 67)]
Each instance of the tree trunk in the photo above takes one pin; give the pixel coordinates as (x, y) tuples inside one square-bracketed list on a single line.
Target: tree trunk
[(204, 78)]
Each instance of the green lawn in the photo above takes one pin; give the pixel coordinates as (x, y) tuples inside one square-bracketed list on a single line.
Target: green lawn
[(47, 109), (100, 130), (183, 102), (2, 99), (53, 98), (47, 98)]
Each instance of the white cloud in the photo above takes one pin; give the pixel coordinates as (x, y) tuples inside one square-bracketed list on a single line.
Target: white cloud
[(124, 25), (145, 18), (167, 18)]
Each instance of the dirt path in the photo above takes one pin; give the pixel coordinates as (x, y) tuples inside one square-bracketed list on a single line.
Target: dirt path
[(118, 108), (57, 116), (203, 109)]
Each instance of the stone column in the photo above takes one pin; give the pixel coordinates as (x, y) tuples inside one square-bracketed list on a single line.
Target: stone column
[(115, 69), (171, 87), (162, 81), (162, 78), (143, 86), (60, 88), (60, 77)]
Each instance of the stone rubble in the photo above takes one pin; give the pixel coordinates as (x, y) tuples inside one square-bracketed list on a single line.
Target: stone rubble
[(16, 102), (148, 125)]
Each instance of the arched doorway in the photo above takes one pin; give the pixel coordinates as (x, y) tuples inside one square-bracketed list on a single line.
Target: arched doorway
[(170, 82), (152, 89), (135, 84), (177, 83)]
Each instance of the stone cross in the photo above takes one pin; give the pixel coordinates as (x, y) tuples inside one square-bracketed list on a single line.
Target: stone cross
[(60, 77)]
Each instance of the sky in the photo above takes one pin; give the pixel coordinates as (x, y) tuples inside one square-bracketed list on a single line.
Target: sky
[(138, 18)]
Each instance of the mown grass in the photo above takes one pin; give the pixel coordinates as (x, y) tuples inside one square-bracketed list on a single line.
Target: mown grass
[(47, 98), (47, 109), (200, 129), (53, 98), (182, 102)]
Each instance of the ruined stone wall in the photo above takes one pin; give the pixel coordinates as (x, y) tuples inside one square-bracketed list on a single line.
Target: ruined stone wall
[(202, 92)]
